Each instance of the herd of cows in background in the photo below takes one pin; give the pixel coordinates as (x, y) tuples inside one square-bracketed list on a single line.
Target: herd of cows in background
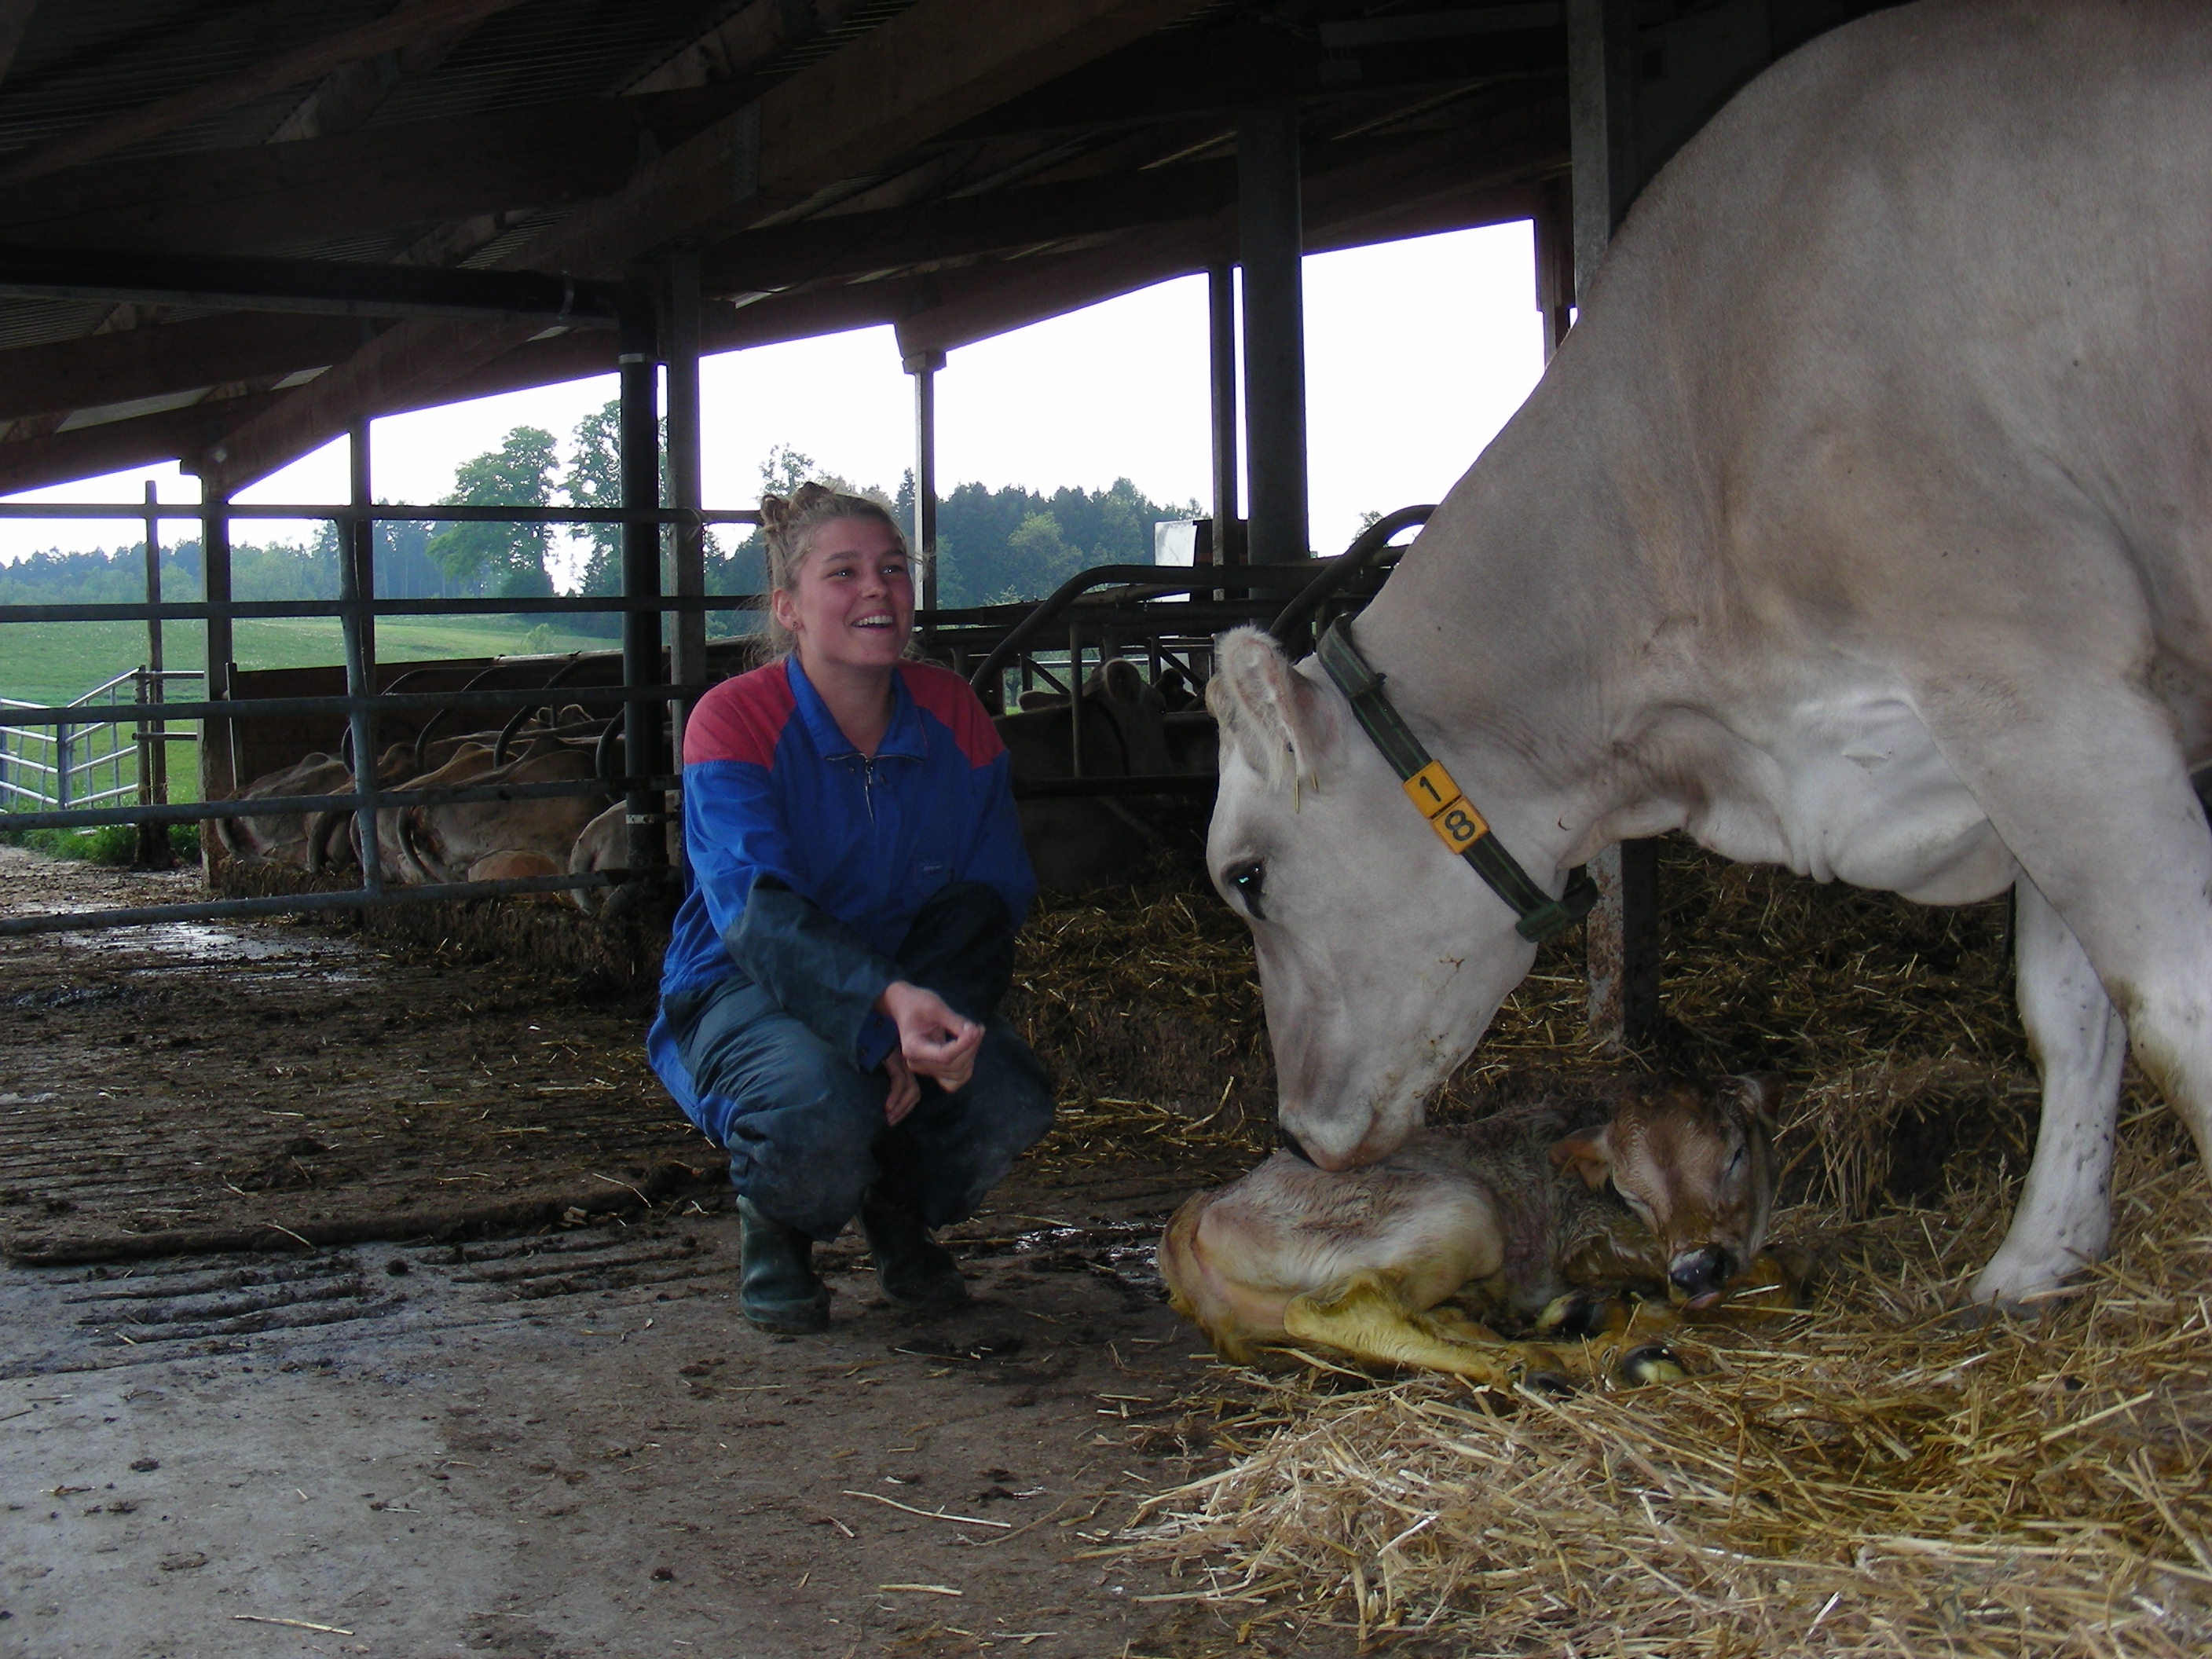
[(1130, 728)]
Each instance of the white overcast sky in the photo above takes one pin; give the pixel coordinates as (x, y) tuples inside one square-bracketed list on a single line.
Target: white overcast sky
[(1416, 353)]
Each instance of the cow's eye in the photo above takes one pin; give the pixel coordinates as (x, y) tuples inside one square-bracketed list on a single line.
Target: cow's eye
[(1248, 879)]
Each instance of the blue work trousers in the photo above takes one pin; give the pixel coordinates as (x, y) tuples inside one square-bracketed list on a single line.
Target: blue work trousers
[(803, 1125)]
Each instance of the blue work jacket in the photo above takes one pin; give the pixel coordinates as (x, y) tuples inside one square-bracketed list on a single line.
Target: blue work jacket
[(808, 860)]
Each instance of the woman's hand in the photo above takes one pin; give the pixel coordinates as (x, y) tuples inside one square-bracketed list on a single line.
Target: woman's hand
[(934, 1041), (904, 1092)]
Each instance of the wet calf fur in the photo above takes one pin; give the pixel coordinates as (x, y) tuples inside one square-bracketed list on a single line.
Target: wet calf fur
[(1665, 1185)]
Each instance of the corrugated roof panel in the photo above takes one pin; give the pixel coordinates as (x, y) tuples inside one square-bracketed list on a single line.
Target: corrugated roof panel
[(544, 50), (35, 322), (128, 56)]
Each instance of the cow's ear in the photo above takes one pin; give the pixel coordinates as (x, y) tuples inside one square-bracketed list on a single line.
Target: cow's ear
[(1281, 723), (1589, 1154)]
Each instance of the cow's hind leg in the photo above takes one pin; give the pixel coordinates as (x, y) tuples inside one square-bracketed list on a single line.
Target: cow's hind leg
[(2083, 778), (2063, 1220)]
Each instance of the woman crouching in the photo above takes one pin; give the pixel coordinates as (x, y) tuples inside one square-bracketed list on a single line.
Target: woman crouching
[(827, 1001)]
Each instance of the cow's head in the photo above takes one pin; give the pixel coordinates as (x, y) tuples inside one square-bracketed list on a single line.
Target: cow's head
[(1696, 1164), (1381, 955)]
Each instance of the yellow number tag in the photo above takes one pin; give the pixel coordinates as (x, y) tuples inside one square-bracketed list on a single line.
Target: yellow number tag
[(1431, 789), (1457, 823)]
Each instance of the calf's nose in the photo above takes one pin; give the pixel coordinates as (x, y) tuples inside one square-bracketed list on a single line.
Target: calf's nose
[(1698, 1276)]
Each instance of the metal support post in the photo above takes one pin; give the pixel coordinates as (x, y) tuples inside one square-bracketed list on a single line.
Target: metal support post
[(354, 595), (1602, 126), (1555, 262), (1221, 362), (923, 366), (644, 812), (153, 849), (361, 539), (686, 482), (218, 764), (1271, 238), (1622, 936)]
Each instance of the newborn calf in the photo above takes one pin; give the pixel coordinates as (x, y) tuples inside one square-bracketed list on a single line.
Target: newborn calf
[(1671, 1186)]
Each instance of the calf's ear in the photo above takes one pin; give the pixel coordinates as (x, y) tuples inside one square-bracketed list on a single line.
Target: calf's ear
[(1762, 1097), (1280, 722), (1589, 1154)]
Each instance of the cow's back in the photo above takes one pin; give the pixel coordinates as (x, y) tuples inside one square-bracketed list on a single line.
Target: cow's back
[(1923, 312)]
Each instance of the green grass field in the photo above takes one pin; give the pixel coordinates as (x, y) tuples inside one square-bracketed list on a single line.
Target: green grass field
[(55, 662)]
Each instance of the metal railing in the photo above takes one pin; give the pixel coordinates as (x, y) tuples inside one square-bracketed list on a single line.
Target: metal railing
[(62, 786), (58, 783), (59, 766)]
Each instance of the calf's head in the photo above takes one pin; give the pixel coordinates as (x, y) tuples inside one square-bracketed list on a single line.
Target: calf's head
[(1696, 1164)]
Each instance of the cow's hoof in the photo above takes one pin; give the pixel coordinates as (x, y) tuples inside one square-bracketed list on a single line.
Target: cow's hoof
[(1980, 1315), (1654, 1362)]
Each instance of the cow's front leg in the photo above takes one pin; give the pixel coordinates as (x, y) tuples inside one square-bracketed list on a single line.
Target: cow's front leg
[(2064, 1218)]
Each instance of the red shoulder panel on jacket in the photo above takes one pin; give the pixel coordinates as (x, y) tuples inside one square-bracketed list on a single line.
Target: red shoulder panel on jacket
[(953, 701), (741, 719)]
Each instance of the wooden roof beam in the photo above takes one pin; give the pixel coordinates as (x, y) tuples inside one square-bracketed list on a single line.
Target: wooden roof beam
[(1219, 70), (352, 93), (148, 361), (393, 30), (851, 244), (891, 90), (1031, 215), (261, 196)]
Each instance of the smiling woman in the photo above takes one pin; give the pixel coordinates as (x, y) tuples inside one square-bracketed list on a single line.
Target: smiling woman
[(828, 996)]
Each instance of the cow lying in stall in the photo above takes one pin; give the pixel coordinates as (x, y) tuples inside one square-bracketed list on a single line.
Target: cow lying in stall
[(1537, 1217), (446, 842)]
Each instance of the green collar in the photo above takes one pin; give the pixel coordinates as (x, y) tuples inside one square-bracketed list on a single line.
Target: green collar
[(1448, 809)]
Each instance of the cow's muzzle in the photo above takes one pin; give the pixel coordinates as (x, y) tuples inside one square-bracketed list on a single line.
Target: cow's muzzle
[(1698, 1277)]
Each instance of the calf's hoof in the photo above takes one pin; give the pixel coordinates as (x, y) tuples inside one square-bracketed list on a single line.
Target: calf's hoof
[(1583, 1315), (1654, 1362)]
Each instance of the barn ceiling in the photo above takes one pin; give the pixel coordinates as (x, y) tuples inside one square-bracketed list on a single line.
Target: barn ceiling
[(953, 167)]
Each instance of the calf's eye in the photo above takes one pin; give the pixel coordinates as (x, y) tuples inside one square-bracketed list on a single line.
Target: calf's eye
[(1248, 879)]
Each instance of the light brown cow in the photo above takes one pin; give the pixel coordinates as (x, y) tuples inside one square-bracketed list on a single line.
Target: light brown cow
[(302, 839), (447, 844), (1517, 1217), (605, 845)]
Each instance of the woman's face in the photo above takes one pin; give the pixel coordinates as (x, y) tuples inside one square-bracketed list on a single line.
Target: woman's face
[(851, 603)]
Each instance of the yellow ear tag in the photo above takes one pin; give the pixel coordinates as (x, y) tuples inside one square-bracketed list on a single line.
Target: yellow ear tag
[(1457, 823)]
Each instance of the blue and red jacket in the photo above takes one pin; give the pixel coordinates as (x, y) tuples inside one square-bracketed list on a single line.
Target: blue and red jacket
[(809, 860)]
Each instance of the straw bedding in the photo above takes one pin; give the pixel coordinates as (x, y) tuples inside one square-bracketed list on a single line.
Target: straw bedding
[(1863, 1477)]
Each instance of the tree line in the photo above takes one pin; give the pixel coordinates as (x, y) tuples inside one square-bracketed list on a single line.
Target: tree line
[(993, 545)]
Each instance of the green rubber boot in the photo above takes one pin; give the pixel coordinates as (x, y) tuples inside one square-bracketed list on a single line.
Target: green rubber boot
[(778, 1290), (914, 1270)]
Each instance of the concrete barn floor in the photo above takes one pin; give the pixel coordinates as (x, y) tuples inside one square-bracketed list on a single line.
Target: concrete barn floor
[(559, 1442)]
